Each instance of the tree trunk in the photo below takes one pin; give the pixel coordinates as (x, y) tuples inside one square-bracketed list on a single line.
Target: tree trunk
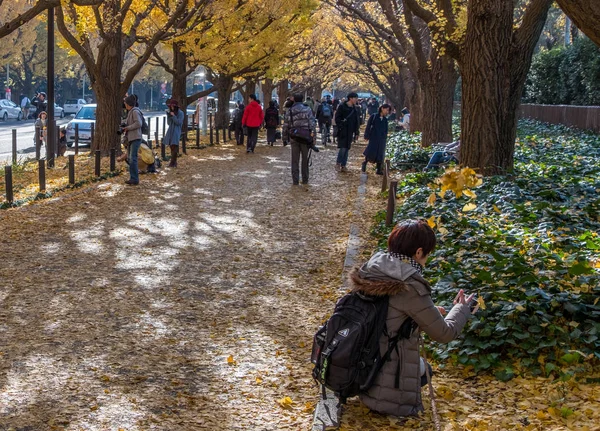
[(585, 14), (268, 87), (494, 64), (317, 90), (223, 86), (248, 89), (282, 92), (438, 98), (180, 77)]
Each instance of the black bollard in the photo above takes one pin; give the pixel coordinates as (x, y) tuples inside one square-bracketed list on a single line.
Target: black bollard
[(113, 159), (71, 169), (76, 138), (38, 142), (42, 174), (163, 154), (156, 133), (198, 136), (92, 133), (164, 126), (14, 146), (391, 207), (210, 125), (98, 158), (185, 133), (8, 179)]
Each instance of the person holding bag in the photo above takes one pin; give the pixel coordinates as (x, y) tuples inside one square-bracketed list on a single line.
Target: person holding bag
[(300, 129)]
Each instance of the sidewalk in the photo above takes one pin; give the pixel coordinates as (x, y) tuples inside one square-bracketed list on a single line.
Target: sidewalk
[(186, 303)]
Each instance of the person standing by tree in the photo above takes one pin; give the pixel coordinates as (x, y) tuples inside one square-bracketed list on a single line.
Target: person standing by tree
[(173, 135), (271, 122), (348, 124), (238, 129), (376, 136), (25, 103), (252, 119), (299, 117), (133, 131)]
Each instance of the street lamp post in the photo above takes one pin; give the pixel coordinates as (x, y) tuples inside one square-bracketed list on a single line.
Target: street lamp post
[(202, 75)]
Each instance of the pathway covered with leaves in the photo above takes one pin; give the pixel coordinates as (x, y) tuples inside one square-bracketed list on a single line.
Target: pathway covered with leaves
[(189, 303)]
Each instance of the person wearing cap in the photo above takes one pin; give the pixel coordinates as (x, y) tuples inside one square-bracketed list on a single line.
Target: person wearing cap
[(175, 119), (133, 132), (348, 124)]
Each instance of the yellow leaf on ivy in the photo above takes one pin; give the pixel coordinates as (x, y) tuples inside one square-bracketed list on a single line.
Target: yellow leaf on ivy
[(431, 199), (469, 193), (469, 207), (520, 308), (431, 222), (496, 209), (443, 231), (574, 324), (285, 402), (481, 303)]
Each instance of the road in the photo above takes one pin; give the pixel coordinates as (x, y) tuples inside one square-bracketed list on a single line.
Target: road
[(26, 130)]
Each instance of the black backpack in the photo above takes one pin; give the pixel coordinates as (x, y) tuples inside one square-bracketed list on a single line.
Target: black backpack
[(346, 351), (325, 110), (145, 128)]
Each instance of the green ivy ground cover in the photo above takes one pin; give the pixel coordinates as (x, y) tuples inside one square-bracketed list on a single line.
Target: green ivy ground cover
[(531, 249)]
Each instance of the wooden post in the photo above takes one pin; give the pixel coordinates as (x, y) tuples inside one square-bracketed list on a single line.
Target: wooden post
[(391, 207), (38, 142), (42, 174), (164, 126), (113, 157), (210, 125), (163, 152), (14, 146), (98, 158), (71, 169), (198, 136), (93, 130), (9, 183), (185, 133), (149, 129), (50, 143), (76, 138), (216, 133), (386, 173), (156, 133)]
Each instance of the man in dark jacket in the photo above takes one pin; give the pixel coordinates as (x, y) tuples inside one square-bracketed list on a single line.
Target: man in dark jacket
[(237, 124), (373, 106), (324, 117), (348, 124), (299, 117)]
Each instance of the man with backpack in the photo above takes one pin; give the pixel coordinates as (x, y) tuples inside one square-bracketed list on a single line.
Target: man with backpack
[(348, 124), (324, 116), (299, 129), (370, 345)]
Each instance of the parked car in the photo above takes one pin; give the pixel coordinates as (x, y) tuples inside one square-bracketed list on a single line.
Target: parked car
[(211, 104), (85, 117), (10, 110), (71, 106)]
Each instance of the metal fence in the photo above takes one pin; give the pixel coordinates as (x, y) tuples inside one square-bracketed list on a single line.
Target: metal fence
[(582, 117)]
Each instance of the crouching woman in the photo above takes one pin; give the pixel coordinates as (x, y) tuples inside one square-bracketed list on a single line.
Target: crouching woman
[(399, 274)]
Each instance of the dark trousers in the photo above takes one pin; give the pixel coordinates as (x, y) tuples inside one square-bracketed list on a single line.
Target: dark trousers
[(239, 136), (298, 149), (252, 138)]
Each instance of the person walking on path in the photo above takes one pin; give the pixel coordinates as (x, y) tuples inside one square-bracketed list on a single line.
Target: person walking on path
[(324, 116), (25, 104), (252, 119), (398, 273), (133, 131), (299, 117), (348, 124), (173, 136), (238, 129), (372, 106), (271, 122), (376, 135)]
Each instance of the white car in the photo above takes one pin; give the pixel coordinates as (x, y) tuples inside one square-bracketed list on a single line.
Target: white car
[(71, 106), (58, 111), (10, 110)]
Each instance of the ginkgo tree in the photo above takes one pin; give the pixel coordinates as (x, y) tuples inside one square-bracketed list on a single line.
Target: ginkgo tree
[(102, 35)]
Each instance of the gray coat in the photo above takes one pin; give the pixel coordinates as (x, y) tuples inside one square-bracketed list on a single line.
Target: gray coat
[(175, 123), (410, 296), (303, 119), (134, 124)]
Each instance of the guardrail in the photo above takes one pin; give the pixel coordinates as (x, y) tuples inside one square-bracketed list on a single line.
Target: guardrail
[(581, 117)]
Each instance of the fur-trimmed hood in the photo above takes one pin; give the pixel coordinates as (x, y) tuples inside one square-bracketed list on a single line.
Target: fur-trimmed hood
[(384, 274)]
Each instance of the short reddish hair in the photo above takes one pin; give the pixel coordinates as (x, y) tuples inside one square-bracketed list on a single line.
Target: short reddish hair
[(411, 235)]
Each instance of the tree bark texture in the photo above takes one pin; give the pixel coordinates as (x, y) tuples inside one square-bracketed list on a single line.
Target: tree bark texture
[(585, 14), (494, 64), (223, 85), (268, 88), (282, 93), (438, 99), (180, 66)]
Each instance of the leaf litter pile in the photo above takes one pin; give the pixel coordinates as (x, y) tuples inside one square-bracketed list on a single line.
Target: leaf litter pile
[(190, 301)]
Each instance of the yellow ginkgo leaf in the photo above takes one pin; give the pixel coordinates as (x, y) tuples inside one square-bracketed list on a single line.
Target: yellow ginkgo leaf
[(469, 193), (469, 207), (230, 360), (443, 231), (285, 402), (431, 222), (259, 380), (431, 199), (496, 209), (481, 303)]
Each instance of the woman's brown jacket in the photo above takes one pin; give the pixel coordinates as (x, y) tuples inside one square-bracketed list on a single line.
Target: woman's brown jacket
[(397, 388)]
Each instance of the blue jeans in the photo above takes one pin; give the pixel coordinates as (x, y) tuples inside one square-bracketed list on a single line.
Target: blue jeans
[(132, 156), (439, 157), (342, 157)]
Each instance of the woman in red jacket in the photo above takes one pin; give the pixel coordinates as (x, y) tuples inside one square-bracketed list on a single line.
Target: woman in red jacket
[(252, 120)]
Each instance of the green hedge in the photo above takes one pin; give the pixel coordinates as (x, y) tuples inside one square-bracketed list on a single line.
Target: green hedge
[(531, 249)]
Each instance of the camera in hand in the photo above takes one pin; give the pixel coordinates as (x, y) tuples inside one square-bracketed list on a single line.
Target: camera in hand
[(121, 128)]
